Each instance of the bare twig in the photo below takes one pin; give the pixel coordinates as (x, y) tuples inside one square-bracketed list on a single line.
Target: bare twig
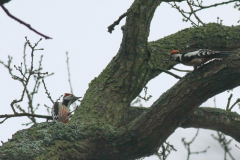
[(187, 18), (20, 108), (25, 24), (26, 74), (24, 57), (221, 138), (48, 108), (180, 70), (59, 98), (237, 101), (4, 120), (191, 3), (213, 5), (46, 91), (168, 72), (237, 146), (229, 99), (26, 80), (137, 100), (69, 78), (187, 146), (192, 12), (145, 98), (166, 150), (111, 27), (25, 114)]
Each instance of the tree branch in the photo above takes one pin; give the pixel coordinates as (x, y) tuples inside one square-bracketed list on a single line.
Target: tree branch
[(25, 24), (24, 115), (215, 119), (181, 70), (213, 5), (4, 1), (111, 27), (168, 72), (194, 13), (205, 118)]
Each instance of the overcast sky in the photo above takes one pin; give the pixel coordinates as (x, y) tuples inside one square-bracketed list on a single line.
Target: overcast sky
[(80, 27)]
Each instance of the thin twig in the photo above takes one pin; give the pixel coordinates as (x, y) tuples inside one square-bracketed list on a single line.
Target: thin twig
[(24, 57), (69, 78), (25, 114), (224, 143), (237, 101), (59, 98), (25, 24), (166, 71), (4, 120), (229, 99), (48, 108), (180, 70), (166, 150), (188, 144), (46, 91), (213, 5), (145, 98), (187, 15), (237, 146), (192, 11), (26, 74), (182, 12), (111, 27)]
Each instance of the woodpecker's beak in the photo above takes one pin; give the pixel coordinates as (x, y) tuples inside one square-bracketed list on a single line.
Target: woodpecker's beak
[(167, 60), (76, 98)]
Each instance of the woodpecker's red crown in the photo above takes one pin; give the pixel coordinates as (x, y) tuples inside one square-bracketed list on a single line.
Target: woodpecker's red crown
[(174, 52), (66, 94)]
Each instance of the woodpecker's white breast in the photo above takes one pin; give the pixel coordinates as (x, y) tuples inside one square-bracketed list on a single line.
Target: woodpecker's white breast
[(192, 54)]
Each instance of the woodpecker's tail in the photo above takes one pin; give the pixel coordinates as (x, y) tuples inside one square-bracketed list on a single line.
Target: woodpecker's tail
[(213, 54), (221, 54)]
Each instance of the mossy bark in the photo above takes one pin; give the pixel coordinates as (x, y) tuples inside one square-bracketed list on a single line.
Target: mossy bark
[(97, 130)]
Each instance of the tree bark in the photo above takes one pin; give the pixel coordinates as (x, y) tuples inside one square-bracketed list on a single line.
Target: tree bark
[(102, 127), (3, 1)]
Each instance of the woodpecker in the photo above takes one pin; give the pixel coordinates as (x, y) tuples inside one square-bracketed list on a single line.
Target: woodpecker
[(198, 57), (60, 110)]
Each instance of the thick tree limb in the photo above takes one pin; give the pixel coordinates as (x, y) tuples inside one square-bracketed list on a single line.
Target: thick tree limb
[(206, 118), (215, 119)]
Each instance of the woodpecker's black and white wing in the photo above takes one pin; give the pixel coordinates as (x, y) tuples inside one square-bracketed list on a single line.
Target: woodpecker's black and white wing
[(55, 110), (206, 53)]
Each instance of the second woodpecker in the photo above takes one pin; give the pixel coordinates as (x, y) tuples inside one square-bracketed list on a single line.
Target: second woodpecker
[(198, 57), (60, 110)]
